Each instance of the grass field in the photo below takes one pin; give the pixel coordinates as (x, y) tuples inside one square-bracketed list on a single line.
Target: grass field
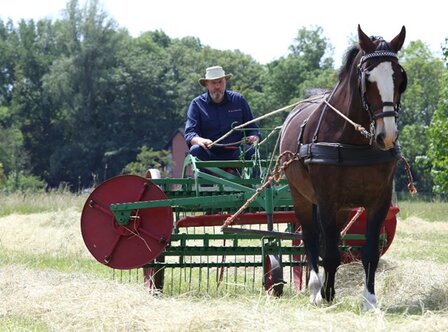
[(50, 282)]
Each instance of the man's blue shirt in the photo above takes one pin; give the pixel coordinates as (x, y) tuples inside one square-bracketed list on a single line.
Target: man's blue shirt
[(209, 120)]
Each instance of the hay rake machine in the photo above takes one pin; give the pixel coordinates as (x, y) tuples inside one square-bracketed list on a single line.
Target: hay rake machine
[(172, 228)]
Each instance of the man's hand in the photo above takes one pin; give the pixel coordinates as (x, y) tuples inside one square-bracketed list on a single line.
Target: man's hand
[(202, 142), (252, 139)]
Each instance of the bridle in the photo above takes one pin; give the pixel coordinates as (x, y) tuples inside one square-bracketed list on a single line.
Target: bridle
[(364, 71)]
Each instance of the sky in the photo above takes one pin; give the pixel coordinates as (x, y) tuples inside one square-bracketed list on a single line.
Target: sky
[(263, 29)]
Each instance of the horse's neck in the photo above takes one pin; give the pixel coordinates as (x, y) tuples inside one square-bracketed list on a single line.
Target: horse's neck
[(346, 100)]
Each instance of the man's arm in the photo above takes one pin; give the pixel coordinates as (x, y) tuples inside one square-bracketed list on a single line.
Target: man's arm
[(253, 135), (192, 125), (203, 142)]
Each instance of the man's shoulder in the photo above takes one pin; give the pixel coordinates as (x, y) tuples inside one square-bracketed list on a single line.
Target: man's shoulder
[(234, 96), (201, 97), (200, 100)]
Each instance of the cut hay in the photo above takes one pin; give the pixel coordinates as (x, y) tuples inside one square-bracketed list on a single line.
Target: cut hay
[(412, 293), (75, 302), (50, 233)]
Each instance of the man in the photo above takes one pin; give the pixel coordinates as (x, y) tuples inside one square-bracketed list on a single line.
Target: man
[(213, 114)]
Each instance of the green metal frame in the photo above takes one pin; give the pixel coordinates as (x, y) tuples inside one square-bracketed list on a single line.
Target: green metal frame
[(211, 188), (229, 190)]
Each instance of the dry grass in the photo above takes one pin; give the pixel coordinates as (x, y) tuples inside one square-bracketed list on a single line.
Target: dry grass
[(412, 292), (49, 233)]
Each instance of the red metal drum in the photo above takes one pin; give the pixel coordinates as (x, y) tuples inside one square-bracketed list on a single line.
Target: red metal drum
[(138, 242)]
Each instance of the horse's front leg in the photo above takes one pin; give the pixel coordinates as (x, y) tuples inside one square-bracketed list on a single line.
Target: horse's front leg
[(371, 255), (310, 233), (331, 258), (306, 213)]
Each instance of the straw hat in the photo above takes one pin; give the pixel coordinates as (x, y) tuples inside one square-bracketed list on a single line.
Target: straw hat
[(214, 73)]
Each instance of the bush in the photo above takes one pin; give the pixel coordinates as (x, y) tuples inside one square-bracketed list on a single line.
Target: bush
[(20, 182)]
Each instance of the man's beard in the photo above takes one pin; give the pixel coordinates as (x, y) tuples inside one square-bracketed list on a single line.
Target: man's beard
[(217, 96)]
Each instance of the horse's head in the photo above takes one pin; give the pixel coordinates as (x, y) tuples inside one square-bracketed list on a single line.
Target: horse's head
[(381, 81)]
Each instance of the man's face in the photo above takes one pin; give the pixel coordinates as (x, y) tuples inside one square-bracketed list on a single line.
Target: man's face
[(216, 89)]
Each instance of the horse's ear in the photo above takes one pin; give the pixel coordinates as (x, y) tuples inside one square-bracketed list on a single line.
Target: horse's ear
[(397, 42), (365, 42)]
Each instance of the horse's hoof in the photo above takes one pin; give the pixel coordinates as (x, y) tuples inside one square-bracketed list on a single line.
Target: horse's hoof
[(368, 301), (367, 306), (316, 299), (328, 295), (315, 285)]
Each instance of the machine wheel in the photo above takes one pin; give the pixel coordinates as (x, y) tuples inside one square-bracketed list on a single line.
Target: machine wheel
[(273, 275), (142, 239)]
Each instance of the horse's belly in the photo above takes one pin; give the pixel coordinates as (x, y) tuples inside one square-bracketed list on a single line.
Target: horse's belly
[(352, 186)]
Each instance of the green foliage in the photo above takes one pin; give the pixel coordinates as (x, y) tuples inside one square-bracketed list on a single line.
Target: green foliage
[(311, 47), (418, 106), (424, 71), (438, 133), (2, 176), (20, 182), (415, 151), (79, 95), (323, 79), (13, 157), (148, 158), (287, 78)]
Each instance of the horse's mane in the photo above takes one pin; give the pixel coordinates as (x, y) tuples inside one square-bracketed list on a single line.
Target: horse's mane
[(353, 51), (349, 57)]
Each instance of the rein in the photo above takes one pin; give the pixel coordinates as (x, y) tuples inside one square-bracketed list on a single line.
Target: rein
[(357, 126), (256, 119)]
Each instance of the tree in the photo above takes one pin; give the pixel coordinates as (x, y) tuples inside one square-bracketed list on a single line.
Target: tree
[(148, 158), (312, 47), (81, 83), (414, 142), (438, 135), (8, 43), (285, 80), (12, 154), (31, 109), (14, 175), (424, 71), (419, 103)]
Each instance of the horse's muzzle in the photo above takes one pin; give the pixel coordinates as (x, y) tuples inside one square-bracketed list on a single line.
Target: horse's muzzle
[(385, 144)]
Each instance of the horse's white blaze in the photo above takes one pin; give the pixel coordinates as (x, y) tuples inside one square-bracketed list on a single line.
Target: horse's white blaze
[(368, 301), (315, 285), (382, 75)]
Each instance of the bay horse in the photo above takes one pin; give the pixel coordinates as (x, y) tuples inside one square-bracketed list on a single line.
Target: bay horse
[(336, 164)]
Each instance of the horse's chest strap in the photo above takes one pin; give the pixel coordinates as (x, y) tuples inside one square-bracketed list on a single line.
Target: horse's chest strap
[(345, 154), (302, 127)]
